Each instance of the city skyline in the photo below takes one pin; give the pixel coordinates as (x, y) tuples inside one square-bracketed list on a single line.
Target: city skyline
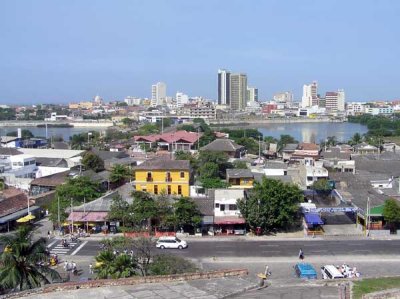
[(71, 51)]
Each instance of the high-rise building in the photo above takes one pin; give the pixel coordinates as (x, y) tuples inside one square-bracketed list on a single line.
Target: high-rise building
[(334, 100), (158, 93), (224, 90), (284, 97), (238, 96), (252, 94), (181, 99), (310, 95)]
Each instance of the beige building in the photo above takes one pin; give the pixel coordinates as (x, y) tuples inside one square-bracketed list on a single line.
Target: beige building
[(238, 94)]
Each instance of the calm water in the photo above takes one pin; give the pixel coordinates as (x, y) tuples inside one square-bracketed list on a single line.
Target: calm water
[(65, 133), (313, 132), (306, 132)]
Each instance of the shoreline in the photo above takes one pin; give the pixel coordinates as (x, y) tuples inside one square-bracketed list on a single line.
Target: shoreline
[(71, 124), (219, 123)]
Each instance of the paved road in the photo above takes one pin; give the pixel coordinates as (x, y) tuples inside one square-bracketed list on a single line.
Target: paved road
[(215, 248)]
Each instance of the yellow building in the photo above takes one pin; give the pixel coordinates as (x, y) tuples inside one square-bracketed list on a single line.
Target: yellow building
[(240, 178), (163, 176)]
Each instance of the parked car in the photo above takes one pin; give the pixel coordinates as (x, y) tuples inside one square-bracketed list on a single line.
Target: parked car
[(304, 270), (171, 242), (331, 272)]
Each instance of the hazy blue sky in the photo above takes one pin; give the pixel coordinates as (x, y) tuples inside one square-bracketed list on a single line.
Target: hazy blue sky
[(61, 51)]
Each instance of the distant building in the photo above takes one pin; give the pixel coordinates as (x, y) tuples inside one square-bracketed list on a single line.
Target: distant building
[(252, 94), (355, 108), (384, 110), (203, 112), (238, 91), (158, 93), (284, 97), (181, 99), (310, 95), (224, 90), (334, 101), (133, 101)]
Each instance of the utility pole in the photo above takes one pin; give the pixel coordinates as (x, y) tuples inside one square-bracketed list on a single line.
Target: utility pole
[(367, 224), (259, 148), (72, 219), (58, 211)]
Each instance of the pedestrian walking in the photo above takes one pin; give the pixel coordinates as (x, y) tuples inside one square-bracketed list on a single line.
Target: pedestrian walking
[(301, 254), (90, 268), (48, 235), (65, 265)]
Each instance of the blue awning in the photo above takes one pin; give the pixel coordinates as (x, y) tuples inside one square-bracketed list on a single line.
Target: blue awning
[(313, 219)]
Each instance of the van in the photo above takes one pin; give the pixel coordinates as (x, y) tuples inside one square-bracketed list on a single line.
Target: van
[(171, 242), (331, 272)]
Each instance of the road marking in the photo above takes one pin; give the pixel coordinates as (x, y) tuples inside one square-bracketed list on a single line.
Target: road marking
[(270, 245), (79, 248), (52, 243)]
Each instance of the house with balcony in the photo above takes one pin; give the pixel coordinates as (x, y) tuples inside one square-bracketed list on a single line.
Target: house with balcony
[(311, 171), (227, 217), (18, 170), (240, 178), (157, 176)]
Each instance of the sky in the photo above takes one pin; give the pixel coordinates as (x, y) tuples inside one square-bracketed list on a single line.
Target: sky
[(71, 50)]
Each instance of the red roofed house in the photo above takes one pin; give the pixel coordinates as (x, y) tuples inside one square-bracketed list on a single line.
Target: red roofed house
[(179, 140)]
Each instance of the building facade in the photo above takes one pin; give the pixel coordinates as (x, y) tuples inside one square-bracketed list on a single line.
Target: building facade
[(252, 94), (334, 101), (158, 93), (224, 90), (238, 88), (310, 95), (160, 176)]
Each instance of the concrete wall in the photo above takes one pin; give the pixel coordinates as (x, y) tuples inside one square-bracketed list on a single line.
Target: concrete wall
[(128, 281), (379, 233)]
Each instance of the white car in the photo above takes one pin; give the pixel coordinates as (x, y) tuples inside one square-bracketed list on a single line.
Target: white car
[(171, 242)]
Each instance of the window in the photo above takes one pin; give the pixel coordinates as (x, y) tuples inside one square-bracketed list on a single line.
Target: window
[(26, 163), (217, 205), (182, 174), (232, 207), (169, 189), (284, 172), (168, 177), (309, 178), (155, 189), (222, 207), (144, 189), (149, 177), (179, 189)]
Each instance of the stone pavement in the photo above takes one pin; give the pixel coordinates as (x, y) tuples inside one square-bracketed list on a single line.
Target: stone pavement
[(197, 289)]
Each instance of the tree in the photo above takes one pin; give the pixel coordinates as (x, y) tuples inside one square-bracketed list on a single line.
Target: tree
[(119, 173), (25, 134), (391, 211), (182, 155), (185, 212), (114, 266), (285, 139), (126, 121), (21, 266), (76, 189), (143, 248), (270, 139), (331, 141), (271, 204), (164, 264), (119, 210), (219, 158), (356, 139), (143, 208), (322, 185), (206, 138), (91, 161), (249, 143), (209, 170), (239, 164), (213, 183)]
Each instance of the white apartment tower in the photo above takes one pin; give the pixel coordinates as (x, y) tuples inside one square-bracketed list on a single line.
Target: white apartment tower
[(181, 99), (252, 94), (238, 87), (310, 95), (224, 90), (158, 93)]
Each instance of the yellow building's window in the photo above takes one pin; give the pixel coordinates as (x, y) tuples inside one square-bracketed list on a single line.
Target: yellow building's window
[(149, 177), (155, 189), (179, 189), (169, 189), (182, 174)]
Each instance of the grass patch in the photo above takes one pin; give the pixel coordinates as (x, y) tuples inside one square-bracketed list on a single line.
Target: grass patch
[(370, 285)]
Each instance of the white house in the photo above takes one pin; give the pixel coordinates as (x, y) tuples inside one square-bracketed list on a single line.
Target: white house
[(226, 211), (311, 171)]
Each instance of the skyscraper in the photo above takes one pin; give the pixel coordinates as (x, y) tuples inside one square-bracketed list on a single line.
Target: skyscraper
[(310, 95), (224, 90), (335, 100), (252, 94), (158, 93), (238, 96)]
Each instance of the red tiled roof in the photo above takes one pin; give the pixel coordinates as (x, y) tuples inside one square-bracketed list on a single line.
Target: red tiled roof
[(12, 200), (189, 137), (88, 216)]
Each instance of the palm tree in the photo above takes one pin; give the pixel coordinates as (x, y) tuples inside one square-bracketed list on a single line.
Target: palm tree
[(111, 266), (22, 262)]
